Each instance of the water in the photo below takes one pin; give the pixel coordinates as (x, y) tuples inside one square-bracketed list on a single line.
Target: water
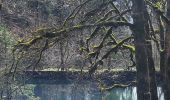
[(77, 91)]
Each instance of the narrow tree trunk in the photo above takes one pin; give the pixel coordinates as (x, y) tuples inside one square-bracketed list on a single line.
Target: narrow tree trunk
[(162, 44), (153, 86), (109, 63), (151, 66), (61, 57), (143, 90)]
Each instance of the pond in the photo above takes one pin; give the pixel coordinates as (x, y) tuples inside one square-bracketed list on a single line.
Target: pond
[(77, 91)]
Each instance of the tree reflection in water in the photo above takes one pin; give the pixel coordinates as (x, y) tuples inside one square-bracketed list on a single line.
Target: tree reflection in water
[(82, 92)]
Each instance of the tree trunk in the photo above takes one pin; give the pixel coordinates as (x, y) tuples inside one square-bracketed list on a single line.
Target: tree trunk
[(162, 45), (166, 86), (109, 63), (153, 86), (143, 90), (62, 57), (151, 66)]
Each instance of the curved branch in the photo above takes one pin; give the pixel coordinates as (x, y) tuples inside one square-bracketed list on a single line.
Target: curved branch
[(114, 49), (102, 88), (78, 8)]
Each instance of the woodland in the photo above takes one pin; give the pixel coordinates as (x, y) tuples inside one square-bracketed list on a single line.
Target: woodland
[(87, 40)]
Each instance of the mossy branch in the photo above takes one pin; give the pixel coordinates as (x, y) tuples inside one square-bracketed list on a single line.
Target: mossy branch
[(96, 10), (106, 15), (119, 13), (55, 33), (75, 12), (98, 26), (52, 33), (62, 32), (100, 46), (93, 34), (104, 88), (158, 11), (25, 45), (131, 49), (40, 55), (115, 48)]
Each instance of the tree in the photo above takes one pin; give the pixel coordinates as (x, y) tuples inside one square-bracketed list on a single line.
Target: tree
[(104, 20), (166, 75), (143, 92)]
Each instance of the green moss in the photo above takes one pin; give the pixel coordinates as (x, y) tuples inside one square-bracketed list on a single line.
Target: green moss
[(82, 48), (78, 26), (92, 54), (95, 46), (130, 47), (158, 5)]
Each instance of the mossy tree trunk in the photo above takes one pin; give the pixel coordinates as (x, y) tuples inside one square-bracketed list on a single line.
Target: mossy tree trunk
[(150, 61)]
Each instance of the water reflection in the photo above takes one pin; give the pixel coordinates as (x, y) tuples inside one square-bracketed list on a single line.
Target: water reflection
[(79, 92)]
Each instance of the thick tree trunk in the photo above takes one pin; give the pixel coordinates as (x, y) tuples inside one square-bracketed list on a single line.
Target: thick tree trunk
[(166, 87), (143, 86)]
